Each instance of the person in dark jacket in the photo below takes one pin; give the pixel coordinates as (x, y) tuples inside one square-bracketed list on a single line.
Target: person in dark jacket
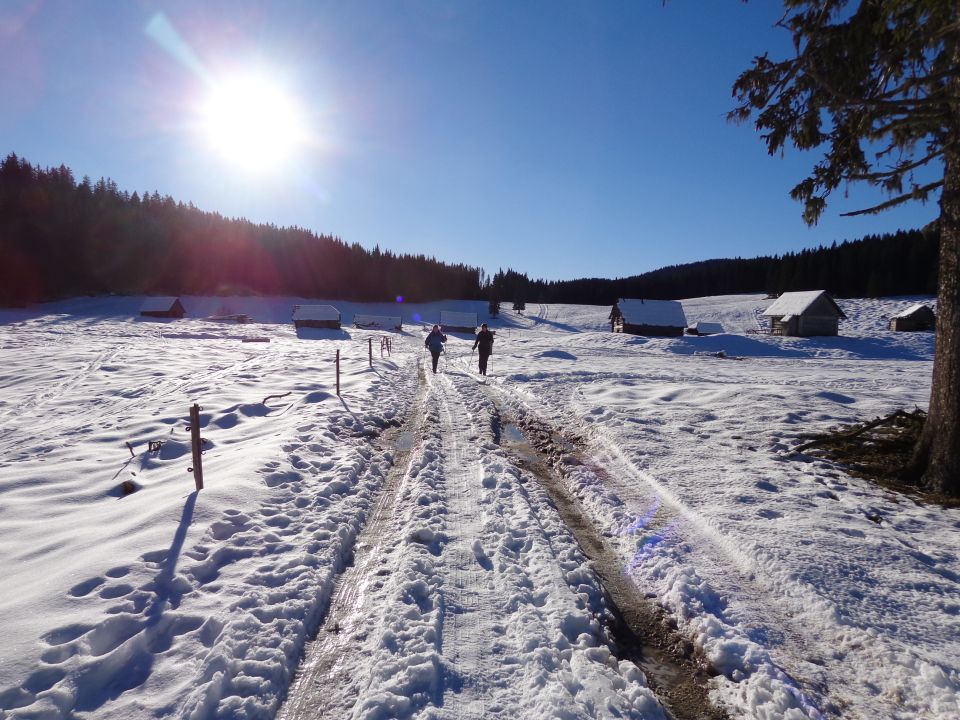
[(434, 343), (615, 315), (484, 342)]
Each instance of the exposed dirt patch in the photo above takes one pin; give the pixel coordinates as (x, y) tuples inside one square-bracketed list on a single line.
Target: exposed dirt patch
[(676, 671)]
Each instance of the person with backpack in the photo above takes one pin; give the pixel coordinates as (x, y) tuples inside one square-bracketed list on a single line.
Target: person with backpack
[(484, 342), (434, 343)]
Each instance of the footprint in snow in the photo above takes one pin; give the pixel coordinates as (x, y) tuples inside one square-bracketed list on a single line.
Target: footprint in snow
[(481, 556)]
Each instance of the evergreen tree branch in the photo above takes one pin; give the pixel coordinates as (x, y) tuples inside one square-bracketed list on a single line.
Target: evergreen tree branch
[(875, 177), (920, 192)]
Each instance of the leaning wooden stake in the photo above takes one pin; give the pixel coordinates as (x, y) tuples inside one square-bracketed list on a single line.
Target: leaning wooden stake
[(338, 373), (195, 443)]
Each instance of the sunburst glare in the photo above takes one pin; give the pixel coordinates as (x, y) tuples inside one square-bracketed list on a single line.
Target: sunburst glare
[(253, 123)]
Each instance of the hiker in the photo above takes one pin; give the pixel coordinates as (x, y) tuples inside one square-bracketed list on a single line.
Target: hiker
[(484, 341), (434, 343), (615, 315)]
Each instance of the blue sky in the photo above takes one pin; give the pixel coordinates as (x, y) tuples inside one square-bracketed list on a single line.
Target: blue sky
[(563, 139)]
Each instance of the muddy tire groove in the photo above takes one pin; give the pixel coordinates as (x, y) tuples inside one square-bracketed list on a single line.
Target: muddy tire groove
[(643, 633)]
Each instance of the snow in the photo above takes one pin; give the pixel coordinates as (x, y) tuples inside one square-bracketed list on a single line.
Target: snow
[(381, 322), (458, 319), (157, 304), (657, 313), (316, 312), (470, 597), (794, 303), (707, 328), (917, 307)]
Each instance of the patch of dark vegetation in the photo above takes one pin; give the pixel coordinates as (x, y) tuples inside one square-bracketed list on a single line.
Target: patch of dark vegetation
[(879, 451)]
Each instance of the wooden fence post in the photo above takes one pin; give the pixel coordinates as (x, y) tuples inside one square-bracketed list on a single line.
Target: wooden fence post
[(338, 372), (370, 349), (195, 442)]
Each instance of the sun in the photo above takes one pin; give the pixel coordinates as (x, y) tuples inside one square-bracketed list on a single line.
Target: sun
[(252, 123)]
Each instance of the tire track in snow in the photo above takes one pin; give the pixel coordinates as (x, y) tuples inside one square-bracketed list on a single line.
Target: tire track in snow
[(481, 605), (543, 565), (471, 599), (318, 688), (645, 520), (677, 674)]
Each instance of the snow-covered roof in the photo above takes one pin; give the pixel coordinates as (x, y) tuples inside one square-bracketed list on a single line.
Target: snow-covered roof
[(657, 313), (458, 319), (911, 310), (797, 303), (391, 321), (708, 328), (315, 312), (158, 304)]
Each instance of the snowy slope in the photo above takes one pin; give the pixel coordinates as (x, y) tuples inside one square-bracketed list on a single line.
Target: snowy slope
[(170, 603)]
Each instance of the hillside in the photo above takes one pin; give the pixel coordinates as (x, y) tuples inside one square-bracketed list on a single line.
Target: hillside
[(440, 545), (60, 237)]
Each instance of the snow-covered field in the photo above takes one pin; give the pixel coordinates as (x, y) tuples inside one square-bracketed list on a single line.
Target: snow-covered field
[(436, 569)]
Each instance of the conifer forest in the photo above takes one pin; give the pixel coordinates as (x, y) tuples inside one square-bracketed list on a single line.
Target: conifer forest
[(60, 237)]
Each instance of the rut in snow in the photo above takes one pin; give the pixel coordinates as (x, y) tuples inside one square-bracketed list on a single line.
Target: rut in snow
[(643, 633), (468, 597), (314, 692)]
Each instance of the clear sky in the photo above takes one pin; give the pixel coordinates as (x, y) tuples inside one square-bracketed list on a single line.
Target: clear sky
[(561, 138)]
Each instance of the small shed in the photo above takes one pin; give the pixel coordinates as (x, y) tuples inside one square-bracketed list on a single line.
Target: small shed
[(458, 321), (915, 317), (806, 313), (378, 322), (163, 307), (705, 328), (316, 316), (657, 318)]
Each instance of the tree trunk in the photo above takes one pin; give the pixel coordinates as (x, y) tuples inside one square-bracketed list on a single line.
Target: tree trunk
[(936, 459)]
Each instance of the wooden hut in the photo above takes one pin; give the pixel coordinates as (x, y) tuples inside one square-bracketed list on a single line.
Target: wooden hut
[(458, 321), (378, 322), (802, 314), (915, 317), (656, 318), (705, 328), (316, 316), (163, 307)]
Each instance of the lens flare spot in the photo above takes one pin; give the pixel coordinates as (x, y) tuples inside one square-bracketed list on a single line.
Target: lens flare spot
[(252, 123)]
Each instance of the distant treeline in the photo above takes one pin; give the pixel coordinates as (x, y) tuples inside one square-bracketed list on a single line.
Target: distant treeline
[(901, 263), (62, 238)]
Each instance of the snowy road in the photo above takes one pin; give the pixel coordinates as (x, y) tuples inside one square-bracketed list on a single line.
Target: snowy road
[(486, 606), (604, 527)]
